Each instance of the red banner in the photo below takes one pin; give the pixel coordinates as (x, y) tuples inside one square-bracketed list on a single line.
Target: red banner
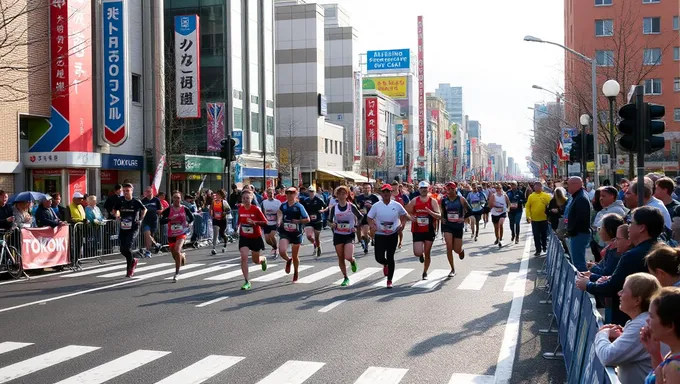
[(371, 126), (421, 89), (44, 247), (215, 126)]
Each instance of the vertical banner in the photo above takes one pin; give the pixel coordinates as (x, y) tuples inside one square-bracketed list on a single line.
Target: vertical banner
[(421, 89), (357, 115), (371, 126), (187, 67), (238, 137), (399, 144), (215, 126), (467, 153), (70, 127), (77, 182), (158, 176), (115, 75)]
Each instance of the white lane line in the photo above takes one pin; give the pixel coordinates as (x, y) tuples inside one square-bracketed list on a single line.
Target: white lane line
[(202, 370), (115, 368), (398, 274), (43, 361), (9, 346), (506, 358), (137, 270), (99, 270), (279, 274), (331, 306), (57, 273), (464, 378), (183, 276), (292, 372), (236, 259), (379, 375), (213, 301), (474, 281), (435, 277), (319, 275), (362, 274), (229, 275), (514, 283), (166, 271)]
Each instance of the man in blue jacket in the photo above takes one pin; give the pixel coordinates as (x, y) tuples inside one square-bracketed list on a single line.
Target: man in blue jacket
[(517, 201), (577, 214)]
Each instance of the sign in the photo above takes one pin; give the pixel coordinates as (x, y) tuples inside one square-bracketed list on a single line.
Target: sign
[(47, 172), (114, 59), (467, 153), (237, 135), (323, 105), (390, 60), (124, 162), (357, 116), (399, 141), (70, 127), (44, 247), (568, 134), (62, 159), (421, 89), (371, 126), (197, 164), (77, 182), (187, 67), (109, 177), (473, 144), (215, 126), (394, 87), (158, 176)]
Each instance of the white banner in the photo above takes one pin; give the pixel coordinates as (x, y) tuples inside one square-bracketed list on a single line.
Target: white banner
[(358, 117), (187, 67), (158, 176)]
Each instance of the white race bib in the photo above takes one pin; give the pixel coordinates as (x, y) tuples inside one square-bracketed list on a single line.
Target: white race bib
[(312, 217), (271, 217), (453, 216), (387, 226), (422, 221), (126, 224), (343, 227), (290, 227), (248, 230), (177, 227), (513, 205)]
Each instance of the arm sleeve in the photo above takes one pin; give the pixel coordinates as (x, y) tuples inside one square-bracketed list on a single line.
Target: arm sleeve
[(625, 349), (303, 212), (356, 212)]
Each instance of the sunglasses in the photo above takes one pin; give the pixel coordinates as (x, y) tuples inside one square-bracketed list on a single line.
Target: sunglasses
[(289, 192)]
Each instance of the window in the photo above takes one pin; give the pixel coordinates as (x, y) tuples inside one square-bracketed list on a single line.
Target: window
[(604, 27), (603, 2), (651, 25), (676, 53), (676, 114), (676, 23), (653, 87), (270, 125), (254, 122), (650, 1), (269, 104), (651, 56), (238, 119), (136, 88), (255, 99), (676, 84), (604, 58), (341, 148), (336, 147), (326, 145)]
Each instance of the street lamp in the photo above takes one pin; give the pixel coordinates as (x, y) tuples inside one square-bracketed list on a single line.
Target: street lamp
[(584, 120), (611, 89), (557, 94), (593, 65)]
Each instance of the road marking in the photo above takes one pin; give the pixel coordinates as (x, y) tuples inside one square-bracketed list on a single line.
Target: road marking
[(331, 306), (279, 274), (226, 261), (435, 277), (474, 281), (202, 271), (362, 274), (398, 274), (319, 275), (292, 372), (137, 270), (202, 370), (166, 271), (213, 301), (464, 378), (9, 346), (54, 274), (99, 270), (115, 368), (229, 275), (379, 375), (515, 282), (43, 361)]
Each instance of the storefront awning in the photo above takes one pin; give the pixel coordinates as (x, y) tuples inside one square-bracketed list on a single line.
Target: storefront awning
[(333, 174), (257, 173), (356, 177)]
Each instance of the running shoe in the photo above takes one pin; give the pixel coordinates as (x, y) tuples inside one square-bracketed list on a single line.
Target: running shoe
[(500, 244), (461, 255), (318, 251), (424, 275), (295, 277), (537, 253), (147, 254), (264, 264), (452, 273), (475, 238), (174, 278), (422, 259), (213, 252), (157, 248), (389, 284), (224, 249), (345, 282), (134, 265), (385, 270), (288, 263), (512, 238), (245, 286), (495, 242), (354, 266), (517, 240)]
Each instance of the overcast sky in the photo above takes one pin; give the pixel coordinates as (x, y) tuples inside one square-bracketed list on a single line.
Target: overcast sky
[(476, 44)]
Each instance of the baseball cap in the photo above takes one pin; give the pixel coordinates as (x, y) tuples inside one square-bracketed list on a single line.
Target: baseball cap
[(291, 189), (78, 195), (386, 187), (311, 189), (424, 184), (451, 184), (45, 197)]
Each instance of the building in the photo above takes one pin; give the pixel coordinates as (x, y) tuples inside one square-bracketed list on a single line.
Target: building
[(510, 169), (453, 98), (474, 129), (383, 156)]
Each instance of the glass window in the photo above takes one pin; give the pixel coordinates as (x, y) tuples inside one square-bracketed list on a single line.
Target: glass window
[(336, 147), (605, 58), (650, 1), (676, 23), (270, 104), (325, 145), (653, 87), (238, 118), (270, 125), (255, 122), (676, 53), (212, 83), (136, 88), (651, 25), (341, 152), (651, 56), (604, 27), (676, 114), (676, 84), (603, 2)]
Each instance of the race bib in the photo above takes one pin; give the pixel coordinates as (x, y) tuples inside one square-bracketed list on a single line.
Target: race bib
[(363, 211), (126, 224), (423, 221), (312, 217), (248, 230), (344, 227), (290, 227), (453, 216), (271, 217), (513, 205), (498, 209), (476, 206), (177, 227), (387, 226)]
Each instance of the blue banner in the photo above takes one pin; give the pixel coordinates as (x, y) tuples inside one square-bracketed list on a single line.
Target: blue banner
[(238, 136), (390, 60), (467, 153), (122, 162), (399, 141), (115, 100)]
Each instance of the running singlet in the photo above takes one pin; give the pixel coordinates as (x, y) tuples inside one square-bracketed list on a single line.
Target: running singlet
[(499, 205), (177, 221), (129, 213), (290, 213), (453, 209), (651, 378), (423, 222), (246, 230), (313, 206), (344, 218), (476, 201), (271, 207), (386, 217), (366, 202), (218, 210)]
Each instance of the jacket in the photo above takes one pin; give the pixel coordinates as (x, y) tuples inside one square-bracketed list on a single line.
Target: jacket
[(5, 212), (553, 217), (516, 197), (631, 262), (578, 214), (607, 266), (76, 213), (626, 352), (536, 206), (45, 217), (616, 207)]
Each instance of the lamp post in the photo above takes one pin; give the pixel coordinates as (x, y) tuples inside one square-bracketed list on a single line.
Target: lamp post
[(611, 89), (584, 120), (593, 65)]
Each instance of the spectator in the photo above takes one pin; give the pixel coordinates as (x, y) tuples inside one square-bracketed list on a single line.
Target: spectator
[(45, 216), (663, 326), (536, 207), (556, 207), (676, 192), (112, 200), (623, 188), (590, 192), (58, 209), (664, 191), (92, 212), (609, 205), (577, 215), (22, 217), (76, 210), (163, 198), (631, 200), (616, 346), (617, 245), (6, 215), (664, 263)]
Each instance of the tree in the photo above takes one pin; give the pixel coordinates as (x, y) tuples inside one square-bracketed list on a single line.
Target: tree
[(547, 131), (444, 166), (291, 151)]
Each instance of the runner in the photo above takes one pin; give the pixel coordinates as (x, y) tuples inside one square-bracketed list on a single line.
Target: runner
[(365, 202), (477, 203), (290, 217), (487, 192), (343, 217), (129, 212), (271, 207), (387, 218), (177, 217), (315, 207), (516, 197), (150, 222), (250, 219), (499, 202), (425, 210), (218, 211), (402, 199), (453, 206)]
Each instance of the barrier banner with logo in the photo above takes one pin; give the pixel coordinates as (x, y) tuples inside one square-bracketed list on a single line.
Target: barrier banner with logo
[(44, 247)]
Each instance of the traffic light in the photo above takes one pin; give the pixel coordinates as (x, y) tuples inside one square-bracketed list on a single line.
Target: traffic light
[(575, 151), (654, 126), (224, 150), (627, 127), (232, 148), (590, 147)]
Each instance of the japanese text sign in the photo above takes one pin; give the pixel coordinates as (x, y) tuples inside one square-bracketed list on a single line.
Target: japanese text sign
[(187, 67)]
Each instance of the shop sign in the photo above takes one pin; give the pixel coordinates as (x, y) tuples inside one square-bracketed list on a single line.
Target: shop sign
[(62, 159), (187, 67), (197, 164), (124, 162), (178, 177), (194, 177), (114, 57), (109, 177), (47, 172)]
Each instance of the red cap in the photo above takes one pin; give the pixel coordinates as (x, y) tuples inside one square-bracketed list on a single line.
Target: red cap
[(386, 187), (451, 184)]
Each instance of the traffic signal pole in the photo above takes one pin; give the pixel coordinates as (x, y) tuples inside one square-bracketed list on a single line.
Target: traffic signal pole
[(640, 138), (584, 153)]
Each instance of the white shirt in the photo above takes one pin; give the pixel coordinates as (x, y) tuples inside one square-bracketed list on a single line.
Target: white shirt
[(658, 204), (271, 207), (386, 217)]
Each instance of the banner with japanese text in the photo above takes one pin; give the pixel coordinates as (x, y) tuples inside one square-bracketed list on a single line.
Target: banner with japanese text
[(371, 126), (399, 144), (115, 75), (187, 67), (44, 247), (357, 116), (421, 89)]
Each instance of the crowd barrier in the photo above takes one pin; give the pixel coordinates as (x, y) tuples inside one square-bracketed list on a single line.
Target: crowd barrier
[(574, 319)]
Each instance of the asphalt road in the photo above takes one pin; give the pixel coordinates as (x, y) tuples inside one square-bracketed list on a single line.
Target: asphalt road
[(96, 326)]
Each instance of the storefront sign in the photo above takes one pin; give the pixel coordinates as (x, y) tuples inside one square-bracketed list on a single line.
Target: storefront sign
[(197, 164), (44, 247), (47, 172), (357, 116), (62, 159), (77, 182), (114, 59), (399, 140), (109, 177), (394, 87), (123, 162), (215, 126), (371, 126), (390, 60), (421, 89), (187, 67)]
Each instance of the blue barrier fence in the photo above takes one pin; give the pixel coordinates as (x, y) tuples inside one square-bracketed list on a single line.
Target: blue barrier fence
[(576, 318)]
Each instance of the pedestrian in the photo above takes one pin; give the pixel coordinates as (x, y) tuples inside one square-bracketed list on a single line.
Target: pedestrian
[(129, 211), (177, 217), (219, 209), (44, 215), (290, 218), (425, 210), (499, 203), (453, 208), (343, 217), (517, 201), (250, 221), (536, 207)]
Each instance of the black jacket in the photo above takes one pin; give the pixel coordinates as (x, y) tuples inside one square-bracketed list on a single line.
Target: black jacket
[(554, 218), (45, 217), (518, 198), (5, 212), (578, 219)]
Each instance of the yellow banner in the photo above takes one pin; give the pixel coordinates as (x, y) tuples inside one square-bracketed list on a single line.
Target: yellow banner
[(394, 87), (590, 166)]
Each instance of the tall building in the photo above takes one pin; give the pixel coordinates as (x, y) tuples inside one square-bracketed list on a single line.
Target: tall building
[(511, 166), (474, 129), (453, 97)]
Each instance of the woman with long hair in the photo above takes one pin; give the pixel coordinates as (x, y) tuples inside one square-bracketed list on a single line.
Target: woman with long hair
[(177, 217), (556, 207), (663, 326)]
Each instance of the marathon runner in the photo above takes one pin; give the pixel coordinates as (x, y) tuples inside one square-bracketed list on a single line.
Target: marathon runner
[(477, 203), (130, 212), (343, 217), (290, 217), (219, 209), (402, 199), (499, 204), (250, 219), (453, 208), (386, 219), (487, 191), (365, 202), (424, 210), (516, 197), (177, 217), (315, 207), (271, 207), (150, 223)]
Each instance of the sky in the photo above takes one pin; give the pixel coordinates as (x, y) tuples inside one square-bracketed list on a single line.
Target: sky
[(476, 44)]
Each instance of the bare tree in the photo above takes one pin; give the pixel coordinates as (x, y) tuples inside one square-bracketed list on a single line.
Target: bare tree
[(444, 166), (547, 132), (290, 151), (371, 164)]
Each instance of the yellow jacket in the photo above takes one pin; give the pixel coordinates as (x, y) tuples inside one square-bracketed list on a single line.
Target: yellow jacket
[(77, 212), (536, 206)]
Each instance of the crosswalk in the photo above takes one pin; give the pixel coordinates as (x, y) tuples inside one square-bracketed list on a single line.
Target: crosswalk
[(137, 363)]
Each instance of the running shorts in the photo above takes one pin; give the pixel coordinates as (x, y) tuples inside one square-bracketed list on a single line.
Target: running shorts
[(221, 224), (291, 238), (343, 239), (423, 236), (254, 244), (496, 219), (173, 240), (316, 225), (457, 232), (269, 229)]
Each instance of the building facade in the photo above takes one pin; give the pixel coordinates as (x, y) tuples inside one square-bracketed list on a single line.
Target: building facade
[(453, 98)]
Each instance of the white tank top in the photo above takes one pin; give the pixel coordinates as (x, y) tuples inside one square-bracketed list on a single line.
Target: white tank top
[(500, 206), (344, 220), (271, 207)]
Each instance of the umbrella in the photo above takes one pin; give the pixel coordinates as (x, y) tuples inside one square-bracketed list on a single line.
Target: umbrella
[(26, 196)]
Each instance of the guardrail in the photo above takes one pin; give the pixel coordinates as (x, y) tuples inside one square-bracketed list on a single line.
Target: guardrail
[(576, 319)]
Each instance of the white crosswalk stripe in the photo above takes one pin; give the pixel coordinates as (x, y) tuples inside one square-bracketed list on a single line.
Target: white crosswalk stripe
[(137, 270), (379, 375), (474, 281), (202, 370), (229, 275), (319, 275), (165, 271), (205, 271), (279, 274), (398, 274), (9, 346), (292, 372), (360, 275), (43, 361), (435, 277), (115, 368), (100, 270)]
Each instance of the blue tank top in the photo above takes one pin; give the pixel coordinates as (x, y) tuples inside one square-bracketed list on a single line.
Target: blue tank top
[(452, 213), (290, 213), (651, 378)]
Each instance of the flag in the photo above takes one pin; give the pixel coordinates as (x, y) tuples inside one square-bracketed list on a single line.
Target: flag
[(561, 154), (158, 176), (448, 135)]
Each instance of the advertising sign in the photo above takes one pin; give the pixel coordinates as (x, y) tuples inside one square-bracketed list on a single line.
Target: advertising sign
[(124, 162), (115, 87), (44, 247), (568, 134), (357, 115), (323, 105), (399, 141), (187, 67), (390, 60), (371, 126), (467, 153), (77, 182), (421, 89), (473, 144), (238, 136), (394, 87), (70, 127), (215, 126), (158, 176)]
